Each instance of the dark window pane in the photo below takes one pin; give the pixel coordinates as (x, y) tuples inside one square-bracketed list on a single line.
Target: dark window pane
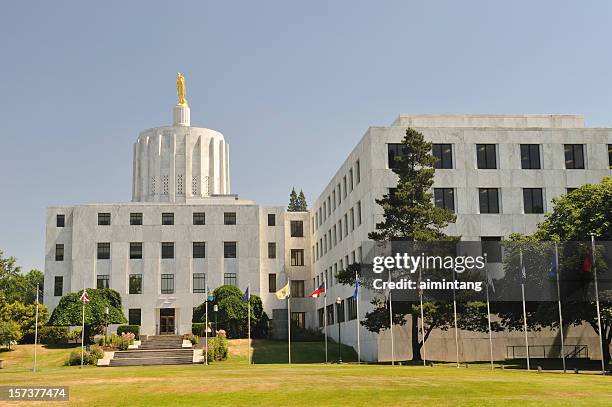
[(272, 282), (104, 219), (610, 155), (230, 279), (445, 198), (134, 316), (330, 314), (167, 283), (271, 250), (298, 320), (297, 228), (229, 250), (393, 150), (135, 250), (486, 157), (271, 219), (199, 218), (574, 156), (59, 252), (103, 281), (229, 218), (533, 200), (488, 198), (199, 250), (297, 288), (60, 221), (135, 218), (340, 311), (530, 156), (135, 283), (167, 218), (444, 155), (199, 282), (103, 251), (167, 250), (297, 257), (58, 286), (491, 245)]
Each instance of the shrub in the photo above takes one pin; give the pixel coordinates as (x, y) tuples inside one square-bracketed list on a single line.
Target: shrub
[(9, 332), (135, 329), (97, 352), (194, 339), (89, 358), (75, 335), (217, 348), (198, 329), (53, 334), (126, 340)]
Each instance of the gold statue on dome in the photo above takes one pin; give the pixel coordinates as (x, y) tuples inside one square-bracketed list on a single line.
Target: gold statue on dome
[(180, 88)]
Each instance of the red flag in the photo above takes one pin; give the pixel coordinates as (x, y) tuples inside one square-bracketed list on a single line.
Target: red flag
[(587, 264), (317, 293)]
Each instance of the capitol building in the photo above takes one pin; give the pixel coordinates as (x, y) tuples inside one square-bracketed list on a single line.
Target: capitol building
[(185, 231)]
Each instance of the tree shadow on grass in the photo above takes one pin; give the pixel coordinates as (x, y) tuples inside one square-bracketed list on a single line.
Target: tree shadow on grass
[(277, 352)]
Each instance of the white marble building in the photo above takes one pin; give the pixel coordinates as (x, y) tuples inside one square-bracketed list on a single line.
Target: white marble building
[(184, 231)]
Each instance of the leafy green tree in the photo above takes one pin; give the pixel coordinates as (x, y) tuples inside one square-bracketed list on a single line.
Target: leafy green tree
[(233, 312), (9, 333), (294, 205), (25, 316), (302, 204), (69, 310), (410, 214), (16, 286), (574, 217)]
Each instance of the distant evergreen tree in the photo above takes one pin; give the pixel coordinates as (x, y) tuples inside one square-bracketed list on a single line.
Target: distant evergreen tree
[(303, 206), (293, 202)]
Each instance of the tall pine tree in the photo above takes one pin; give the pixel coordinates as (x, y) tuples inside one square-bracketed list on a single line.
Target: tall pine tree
[(293, 201), (302, 202)]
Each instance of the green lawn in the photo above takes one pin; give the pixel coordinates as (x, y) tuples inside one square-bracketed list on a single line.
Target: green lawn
[(233, 383)]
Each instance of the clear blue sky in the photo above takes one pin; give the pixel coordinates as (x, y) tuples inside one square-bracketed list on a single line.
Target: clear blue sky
[(292, 85)]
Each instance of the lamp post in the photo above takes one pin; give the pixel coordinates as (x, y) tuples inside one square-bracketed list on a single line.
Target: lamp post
[(338, 302), (216, 308)]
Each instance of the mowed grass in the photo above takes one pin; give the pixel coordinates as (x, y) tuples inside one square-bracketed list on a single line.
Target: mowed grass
[(233, 383)]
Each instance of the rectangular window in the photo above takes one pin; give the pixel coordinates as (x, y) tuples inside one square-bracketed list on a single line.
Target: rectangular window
[(104, 219), (330, 314), (297, 288), (610, 155), (167, 283), (351, 179), (199, 282), (272, 283), (324, 211), (340, 311), (533, 200), (358, 171), (394, 150), (344, 184), (271, 250), (346, 227), (199, 218), (229, 250), (298, 320), (229, 218), (271, 219), (103, 251), (358, 213), (103, 281), (135, 250), (297, 257), (321, 317), (297, 228), (334, 198), (570, 190), (444, 156), (339, 195), (352, 212), (167, 218), (199, 250), (329, 209), (486, 157), (351, 306), (135, 283), (445, 198), (340, 230), (491, 245), (58, 286), (530, 156), (489, 200), (135, 218), (574, 156), (59, 252), (60, 221), (134, 316), (167, 250), (230, 279)]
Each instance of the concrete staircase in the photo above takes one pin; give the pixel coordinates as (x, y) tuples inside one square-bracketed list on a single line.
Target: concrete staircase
[(155, 350)]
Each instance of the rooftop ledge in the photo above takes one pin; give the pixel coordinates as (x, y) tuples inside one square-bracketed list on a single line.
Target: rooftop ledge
[(549, 121)]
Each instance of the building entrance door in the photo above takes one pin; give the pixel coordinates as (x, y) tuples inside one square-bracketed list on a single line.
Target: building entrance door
[(166, 321)]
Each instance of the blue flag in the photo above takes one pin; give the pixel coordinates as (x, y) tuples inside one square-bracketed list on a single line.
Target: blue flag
[(210, 297), (356, 290), (552, 268), (246, 295)]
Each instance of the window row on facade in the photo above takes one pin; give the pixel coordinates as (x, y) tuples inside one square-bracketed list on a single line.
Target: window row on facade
[(328, 276), (487, 156), (334, 199), (346, 310), (346, 224)]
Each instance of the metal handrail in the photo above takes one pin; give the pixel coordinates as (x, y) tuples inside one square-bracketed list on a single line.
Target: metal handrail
[(547, 351)]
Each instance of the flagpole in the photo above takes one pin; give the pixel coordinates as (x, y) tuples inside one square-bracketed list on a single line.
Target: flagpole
[(249, 323), (557, 270), (357, 309), (489, 311), (82, 335), (36, 327), (206, 327), (289, 317), (325, 313), (391, 324), (455, 317), (603, 363), (523, 278), (422, 320)]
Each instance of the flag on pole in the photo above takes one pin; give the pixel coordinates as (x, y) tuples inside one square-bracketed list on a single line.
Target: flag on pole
[(587, 263), (552, 268), (356, 292), (283, 293), (210, 297), (246, 295), (317, 293)]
